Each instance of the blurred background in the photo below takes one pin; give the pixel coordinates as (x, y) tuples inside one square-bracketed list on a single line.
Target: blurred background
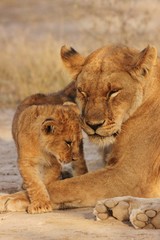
[(33, 31)]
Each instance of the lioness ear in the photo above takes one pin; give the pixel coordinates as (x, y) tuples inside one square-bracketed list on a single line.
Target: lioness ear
[(144, 62), (72, 60), (48, 126)]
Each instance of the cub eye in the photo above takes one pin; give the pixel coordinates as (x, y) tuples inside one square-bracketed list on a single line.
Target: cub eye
[(82, 92), (113, 92), (68, 143), (49, 129)]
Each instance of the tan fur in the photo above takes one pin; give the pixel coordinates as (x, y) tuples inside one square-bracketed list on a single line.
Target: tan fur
[(46, 136), (118, 96)]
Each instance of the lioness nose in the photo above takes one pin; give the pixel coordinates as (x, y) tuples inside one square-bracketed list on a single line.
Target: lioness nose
[(95, 126)]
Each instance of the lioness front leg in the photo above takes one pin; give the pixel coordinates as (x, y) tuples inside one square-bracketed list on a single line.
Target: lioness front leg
[(87, 189)]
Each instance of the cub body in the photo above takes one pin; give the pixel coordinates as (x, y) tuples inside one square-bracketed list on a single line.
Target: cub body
[(46, 136)]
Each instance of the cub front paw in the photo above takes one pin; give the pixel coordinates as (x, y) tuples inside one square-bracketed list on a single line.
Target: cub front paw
[(39, 207)]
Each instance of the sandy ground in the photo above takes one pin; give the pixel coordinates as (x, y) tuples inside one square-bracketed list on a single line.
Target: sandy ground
[(67, 225)]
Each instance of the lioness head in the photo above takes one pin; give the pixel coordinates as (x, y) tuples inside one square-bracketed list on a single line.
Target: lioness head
[(60, 134), (111, 84)]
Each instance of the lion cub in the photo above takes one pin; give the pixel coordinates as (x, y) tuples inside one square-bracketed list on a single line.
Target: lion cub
[(46, 136)]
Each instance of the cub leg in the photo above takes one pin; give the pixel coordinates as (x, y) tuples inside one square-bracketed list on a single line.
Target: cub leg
[(79, 165), (36, 189), (51, 173), (146, 216)]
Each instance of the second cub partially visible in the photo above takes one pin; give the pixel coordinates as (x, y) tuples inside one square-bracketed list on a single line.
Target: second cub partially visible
[(46, 136)]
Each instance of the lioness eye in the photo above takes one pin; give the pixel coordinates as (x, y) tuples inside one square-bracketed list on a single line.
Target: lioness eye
[(82, 92), (113, 93)]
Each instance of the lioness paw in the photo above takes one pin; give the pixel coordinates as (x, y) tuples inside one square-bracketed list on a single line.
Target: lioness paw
[(3, 203), (15, 203), (112, 207), (146, 217), (142, 212), (39, 207)]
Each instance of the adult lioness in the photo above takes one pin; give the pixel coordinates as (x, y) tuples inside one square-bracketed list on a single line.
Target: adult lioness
[(118, 95)]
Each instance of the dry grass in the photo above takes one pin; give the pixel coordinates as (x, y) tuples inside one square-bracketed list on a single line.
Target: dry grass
[(27, 67), (32, 32)]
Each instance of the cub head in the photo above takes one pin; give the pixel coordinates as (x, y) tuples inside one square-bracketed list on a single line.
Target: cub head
[(112, 82), (60, 134)]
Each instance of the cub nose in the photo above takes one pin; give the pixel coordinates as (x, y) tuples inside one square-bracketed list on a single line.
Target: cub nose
[(95, 126)]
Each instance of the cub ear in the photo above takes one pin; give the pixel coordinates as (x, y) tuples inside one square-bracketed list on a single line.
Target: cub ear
[(48, 126), (68, 103), (144, 62), (72, 60)]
